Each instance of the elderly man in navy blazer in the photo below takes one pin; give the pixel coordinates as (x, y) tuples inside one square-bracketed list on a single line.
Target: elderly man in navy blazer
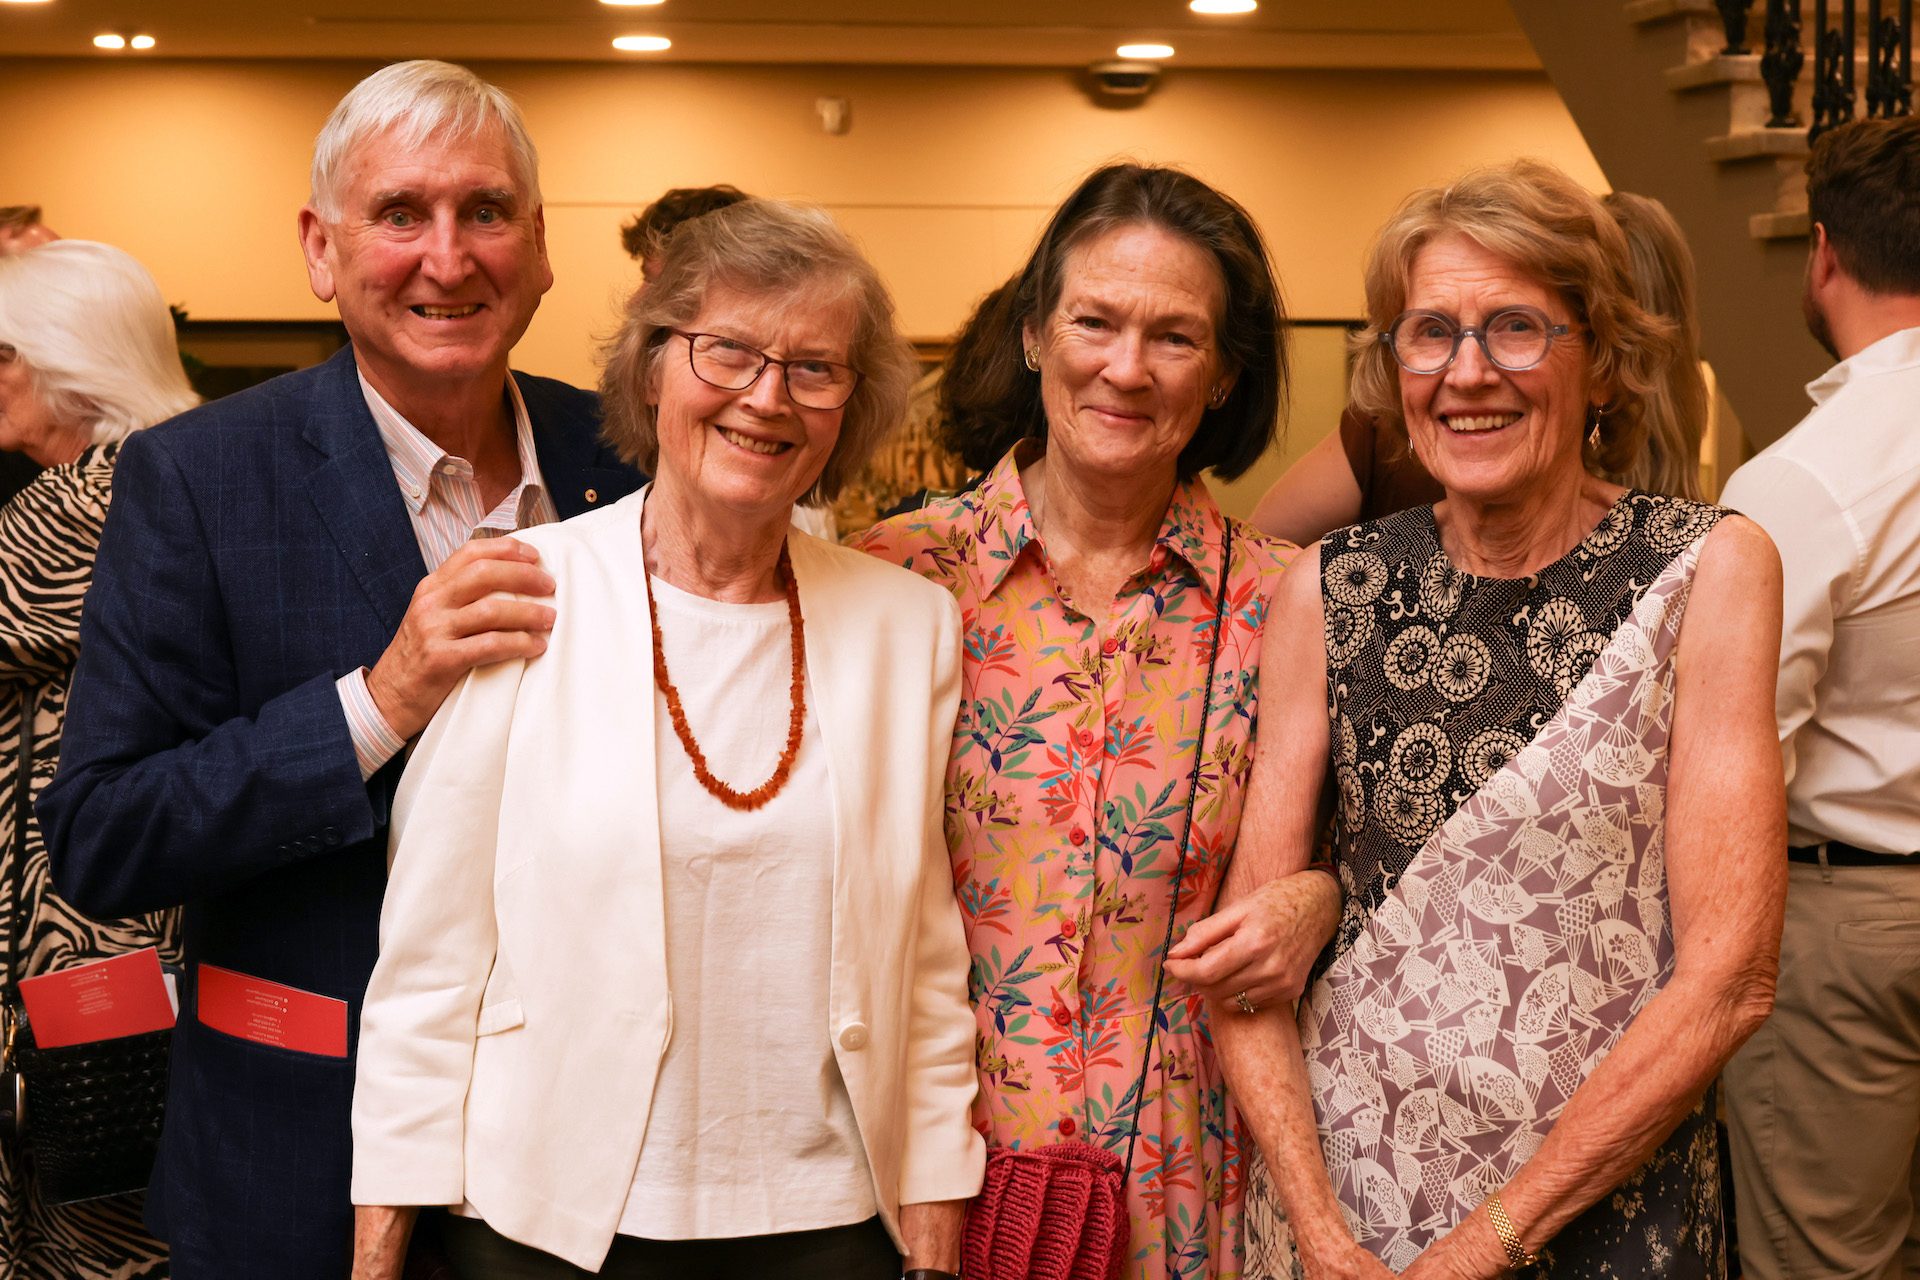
[(290, 581)]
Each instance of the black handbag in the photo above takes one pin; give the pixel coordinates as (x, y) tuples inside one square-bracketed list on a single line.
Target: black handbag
[(89, 1114)]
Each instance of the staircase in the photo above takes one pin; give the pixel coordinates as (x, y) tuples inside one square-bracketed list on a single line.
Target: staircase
[(1673, 109)]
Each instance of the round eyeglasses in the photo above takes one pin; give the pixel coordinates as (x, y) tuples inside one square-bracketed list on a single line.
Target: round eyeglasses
[(732, 365), (1514, 339)]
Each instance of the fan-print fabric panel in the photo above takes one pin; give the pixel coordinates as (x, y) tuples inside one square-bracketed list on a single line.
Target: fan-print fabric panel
[(1525, 935)]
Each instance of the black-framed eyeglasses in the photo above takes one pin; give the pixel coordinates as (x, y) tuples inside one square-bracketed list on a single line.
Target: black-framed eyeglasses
[(732, 365), (1514, 339)]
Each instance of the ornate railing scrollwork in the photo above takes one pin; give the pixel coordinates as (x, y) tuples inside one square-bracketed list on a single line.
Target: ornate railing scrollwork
[(1781, 62), (1890, 60), (1834, 49), (1833, 57), (1733, 15)]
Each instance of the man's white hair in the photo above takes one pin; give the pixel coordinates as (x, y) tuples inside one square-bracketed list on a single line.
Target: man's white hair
[(413, 101), (94, 333)]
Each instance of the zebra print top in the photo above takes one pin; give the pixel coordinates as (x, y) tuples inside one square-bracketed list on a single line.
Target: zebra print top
[(48, 536)]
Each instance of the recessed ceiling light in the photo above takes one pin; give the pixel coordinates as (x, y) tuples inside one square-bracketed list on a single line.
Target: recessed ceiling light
[(1145, 51), (23, 1), (141, 42), (631, 4), (641, 44), (109, 41), (1223, 6)]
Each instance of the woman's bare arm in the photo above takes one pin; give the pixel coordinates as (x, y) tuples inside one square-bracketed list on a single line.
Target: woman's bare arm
[(1315, 495), (1260, 1052)]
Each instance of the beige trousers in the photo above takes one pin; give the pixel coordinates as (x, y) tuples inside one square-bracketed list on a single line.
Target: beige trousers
[(1824, 1101)]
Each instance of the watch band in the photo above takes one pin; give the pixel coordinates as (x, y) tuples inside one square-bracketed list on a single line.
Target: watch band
[(1517, 1253), (930, 1273)]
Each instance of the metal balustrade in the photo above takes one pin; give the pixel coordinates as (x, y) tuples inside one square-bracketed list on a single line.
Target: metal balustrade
[(1836, 57)]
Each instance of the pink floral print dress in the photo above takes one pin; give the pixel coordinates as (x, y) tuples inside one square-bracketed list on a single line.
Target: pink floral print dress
[(1065, 796)]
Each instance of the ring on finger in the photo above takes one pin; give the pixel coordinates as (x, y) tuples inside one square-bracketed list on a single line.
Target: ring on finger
[(1244, 1003)]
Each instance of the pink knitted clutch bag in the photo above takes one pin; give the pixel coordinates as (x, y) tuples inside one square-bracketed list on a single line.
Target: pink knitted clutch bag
[(1057, 1212)]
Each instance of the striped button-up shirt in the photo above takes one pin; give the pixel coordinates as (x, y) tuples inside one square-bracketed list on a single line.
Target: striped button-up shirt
[(443, 502)]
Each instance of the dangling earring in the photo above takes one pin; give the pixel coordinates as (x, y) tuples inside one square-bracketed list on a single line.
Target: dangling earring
[(1593, 433), (1033, 359), (1218, 398)]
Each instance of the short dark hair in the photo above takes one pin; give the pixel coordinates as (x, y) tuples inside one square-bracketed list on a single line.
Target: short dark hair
[(18, 217), (991, 401), (1863, 186), (650, 228)]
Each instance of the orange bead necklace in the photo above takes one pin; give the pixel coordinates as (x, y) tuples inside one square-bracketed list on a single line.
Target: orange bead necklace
[(796, 720)]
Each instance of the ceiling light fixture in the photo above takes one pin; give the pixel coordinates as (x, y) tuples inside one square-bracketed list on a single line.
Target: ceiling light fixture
[(25, 1), (631, 4), (641, 44), (109, 41), (1223, 6), (1154, 51), (141, 42)]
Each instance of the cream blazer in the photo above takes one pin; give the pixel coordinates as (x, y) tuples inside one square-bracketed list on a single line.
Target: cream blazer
[(515, 1023)]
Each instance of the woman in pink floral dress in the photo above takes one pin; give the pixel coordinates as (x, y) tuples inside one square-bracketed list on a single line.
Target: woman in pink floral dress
[(1139, 345)]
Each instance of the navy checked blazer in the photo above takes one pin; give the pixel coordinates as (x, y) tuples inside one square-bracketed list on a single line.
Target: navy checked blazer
[(256, 550)]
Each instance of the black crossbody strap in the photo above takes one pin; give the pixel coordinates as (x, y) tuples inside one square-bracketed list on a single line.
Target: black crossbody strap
[(22, 810), (1186, 836)]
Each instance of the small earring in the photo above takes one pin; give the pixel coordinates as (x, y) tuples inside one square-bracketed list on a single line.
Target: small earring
[(1599, 416), (1033, 359), (1218, 398)]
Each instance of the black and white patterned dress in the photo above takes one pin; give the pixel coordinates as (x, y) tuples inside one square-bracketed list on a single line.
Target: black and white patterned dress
[(1499, 750), (48, 535)]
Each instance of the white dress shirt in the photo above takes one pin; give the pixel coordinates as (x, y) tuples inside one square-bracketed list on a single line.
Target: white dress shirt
[(443, 503), (1840, 496)]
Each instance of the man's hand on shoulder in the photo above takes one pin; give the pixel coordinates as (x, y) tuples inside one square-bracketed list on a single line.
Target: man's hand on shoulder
[(461, 617)]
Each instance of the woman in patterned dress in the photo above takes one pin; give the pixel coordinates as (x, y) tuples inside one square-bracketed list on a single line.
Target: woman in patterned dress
[(1138, 346), (1559, 797), (87, 355)]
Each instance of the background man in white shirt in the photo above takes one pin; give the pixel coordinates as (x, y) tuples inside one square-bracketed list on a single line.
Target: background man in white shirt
[(1825, 1100)]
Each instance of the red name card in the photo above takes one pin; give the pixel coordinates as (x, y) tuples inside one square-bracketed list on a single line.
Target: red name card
[(102, 1000), (268, 1013)]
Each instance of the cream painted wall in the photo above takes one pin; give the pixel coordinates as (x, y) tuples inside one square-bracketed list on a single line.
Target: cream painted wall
[(198, 168)]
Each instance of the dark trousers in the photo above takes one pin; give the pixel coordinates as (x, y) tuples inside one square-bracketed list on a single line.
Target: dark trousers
[(863, 1251)]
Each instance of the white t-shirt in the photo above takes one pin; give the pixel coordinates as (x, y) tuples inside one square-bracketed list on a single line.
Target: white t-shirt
[(751, 1131)]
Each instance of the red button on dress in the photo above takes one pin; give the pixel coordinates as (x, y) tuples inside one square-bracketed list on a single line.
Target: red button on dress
[(1068, 1128), (1109, 646), (1068, 928), (1084, 738), (1078, 835)]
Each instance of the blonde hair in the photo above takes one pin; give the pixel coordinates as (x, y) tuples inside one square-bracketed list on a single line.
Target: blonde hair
[(416, 100), (1676, 408), (95, 336), (1546, 224), (765, 248)]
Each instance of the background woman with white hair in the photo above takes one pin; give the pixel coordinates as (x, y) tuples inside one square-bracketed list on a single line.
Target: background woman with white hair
[(87, 356)]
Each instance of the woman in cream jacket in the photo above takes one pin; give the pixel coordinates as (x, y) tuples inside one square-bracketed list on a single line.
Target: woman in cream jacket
[(672, 980)]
